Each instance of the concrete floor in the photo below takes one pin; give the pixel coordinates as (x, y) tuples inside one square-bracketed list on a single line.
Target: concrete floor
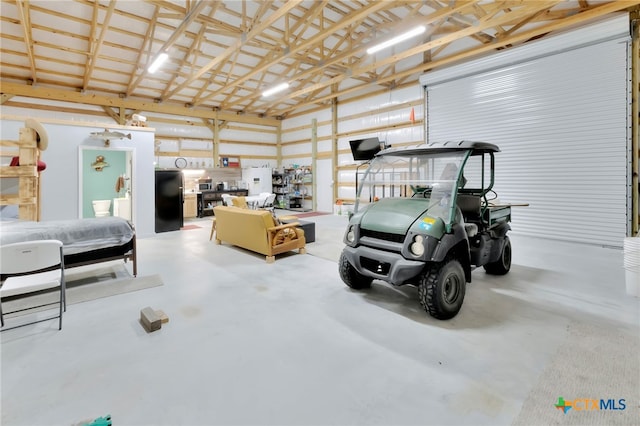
[(289, 344)]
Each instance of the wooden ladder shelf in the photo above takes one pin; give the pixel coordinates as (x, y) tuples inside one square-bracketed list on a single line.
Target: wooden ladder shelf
[(27, 198)]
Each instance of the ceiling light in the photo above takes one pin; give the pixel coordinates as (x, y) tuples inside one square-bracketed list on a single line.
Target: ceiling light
[(279, 88), (159, 61), (402, 37)]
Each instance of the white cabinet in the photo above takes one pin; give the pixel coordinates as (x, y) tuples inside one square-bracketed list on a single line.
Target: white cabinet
[(122, 208)]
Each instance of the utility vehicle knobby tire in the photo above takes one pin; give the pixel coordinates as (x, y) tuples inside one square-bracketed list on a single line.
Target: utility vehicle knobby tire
[(441, 290), (503, 264), (351, 277)]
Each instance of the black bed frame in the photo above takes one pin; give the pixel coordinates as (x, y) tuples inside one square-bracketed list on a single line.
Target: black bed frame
[(125, 252)]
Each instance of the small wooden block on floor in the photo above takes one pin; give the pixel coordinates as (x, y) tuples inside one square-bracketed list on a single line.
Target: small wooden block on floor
[(163, 317), (150, 320)]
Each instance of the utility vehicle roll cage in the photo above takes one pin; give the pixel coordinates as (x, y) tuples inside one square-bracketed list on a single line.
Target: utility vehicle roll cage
[(417, 157)]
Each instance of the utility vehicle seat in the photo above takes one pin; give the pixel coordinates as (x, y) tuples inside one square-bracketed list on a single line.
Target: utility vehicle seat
[(469, 205)]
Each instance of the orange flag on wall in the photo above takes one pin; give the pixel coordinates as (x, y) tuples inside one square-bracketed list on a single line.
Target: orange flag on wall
[(412, 116)]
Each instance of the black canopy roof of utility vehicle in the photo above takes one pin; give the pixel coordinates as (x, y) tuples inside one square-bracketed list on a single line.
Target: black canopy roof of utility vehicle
[(476, 148)]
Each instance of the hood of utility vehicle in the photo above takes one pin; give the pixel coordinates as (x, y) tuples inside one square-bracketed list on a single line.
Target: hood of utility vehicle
[(393, 215)]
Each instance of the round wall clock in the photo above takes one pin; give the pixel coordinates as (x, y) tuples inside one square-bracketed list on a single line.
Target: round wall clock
[(181, 163)]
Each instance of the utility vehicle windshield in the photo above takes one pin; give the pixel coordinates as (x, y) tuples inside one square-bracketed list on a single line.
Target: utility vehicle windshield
[(429, 179)]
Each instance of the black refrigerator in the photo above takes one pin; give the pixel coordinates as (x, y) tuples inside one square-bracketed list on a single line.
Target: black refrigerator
[(169, 198)]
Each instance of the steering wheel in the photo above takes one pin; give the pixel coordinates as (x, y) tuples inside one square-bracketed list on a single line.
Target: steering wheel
[(421, 191)]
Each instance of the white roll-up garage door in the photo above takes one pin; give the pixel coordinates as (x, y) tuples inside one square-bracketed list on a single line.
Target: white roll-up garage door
[(561, 119)]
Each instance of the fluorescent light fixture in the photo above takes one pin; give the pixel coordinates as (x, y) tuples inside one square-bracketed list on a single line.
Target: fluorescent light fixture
[(402, 37), (159, 61), (275, 89)]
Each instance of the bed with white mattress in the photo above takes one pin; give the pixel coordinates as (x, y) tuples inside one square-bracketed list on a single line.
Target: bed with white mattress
[(85, 241)]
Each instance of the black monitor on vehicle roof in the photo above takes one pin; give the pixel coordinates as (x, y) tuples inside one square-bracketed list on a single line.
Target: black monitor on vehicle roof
[(365, 149)]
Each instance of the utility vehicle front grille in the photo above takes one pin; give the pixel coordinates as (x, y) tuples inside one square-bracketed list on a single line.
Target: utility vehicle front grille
[(386, 236), (373, 265)]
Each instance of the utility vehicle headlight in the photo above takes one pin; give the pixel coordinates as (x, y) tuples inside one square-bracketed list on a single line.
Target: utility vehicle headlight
[(417, 246), (351, 235)]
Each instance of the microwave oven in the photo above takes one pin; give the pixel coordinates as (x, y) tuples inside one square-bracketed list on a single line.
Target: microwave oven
[(204, 186)]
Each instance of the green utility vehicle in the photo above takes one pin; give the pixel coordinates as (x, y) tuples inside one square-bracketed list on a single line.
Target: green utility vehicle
[(426, 215)]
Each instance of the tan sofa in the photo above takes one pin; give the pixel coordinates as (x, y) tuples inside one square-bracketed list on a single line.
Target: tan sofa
[(256, 230)]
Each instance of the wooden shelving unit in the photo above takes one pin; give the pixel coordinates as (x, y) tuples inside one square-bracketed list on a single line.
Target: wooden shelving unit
[(27, 198)]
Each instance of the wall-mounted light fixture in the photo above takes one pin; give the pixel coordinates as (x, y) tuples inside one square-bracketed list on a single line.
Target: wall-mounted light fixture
[(275, 89), (395, 40), (160, 59)]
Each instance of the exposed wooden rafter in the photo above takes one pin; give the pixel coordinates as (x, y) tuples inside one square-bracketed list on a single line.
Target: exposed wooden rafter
[(486, 22), (188, 19), (94, 46), (118, 102), (146, 44), (469, 53), (25, 18), (224, 53), (300, 47), (192, 53), (238, 43), (5, 97)]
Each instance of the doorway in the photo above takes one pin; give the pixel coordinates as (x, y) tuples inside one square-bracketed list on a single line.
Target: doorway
[(106, 176)]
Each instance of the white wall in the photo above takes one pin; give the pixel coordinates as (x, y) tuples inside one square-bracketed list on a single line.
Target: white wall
[(175, 134), (384, 112), (60, 181), (385, 115), (301, 153), (236, 140)]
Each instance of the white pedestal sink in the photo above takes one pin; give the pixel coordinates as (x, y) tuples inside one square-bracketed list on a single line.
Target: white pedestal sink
[(122, 208)]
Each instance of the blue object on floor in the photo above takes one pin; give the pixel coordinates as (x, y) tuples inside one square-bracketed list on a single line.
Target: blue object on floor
[(101, 421)]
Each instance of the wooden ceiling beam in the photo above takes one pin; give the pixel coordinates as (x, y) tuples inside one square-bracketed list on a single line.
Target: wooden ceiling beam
[(146, 43), (480, 12), (67, 52), (93, 30), (522, 23), (219, 27), (221, 126), (303, 23), (109, 111), (193, 50), (37, 8), (56, 108), (304, 45), (483, 24), (4, 97), (265, 6), (94, 49), (242, 100), (117, 102), (58, 31), (577, 19), (25, 18), (191, 15), (282, 11), (354, 49), (53, 46), (179, 31)]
